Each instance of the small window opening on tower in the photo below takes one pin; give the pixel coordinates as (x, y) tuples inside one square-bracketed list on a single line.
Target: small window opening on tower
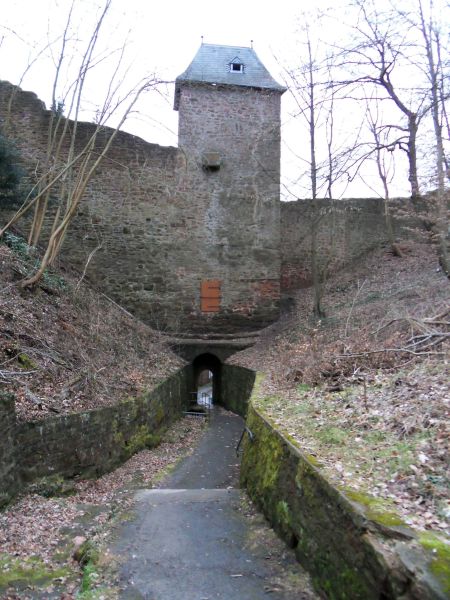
[(236, 66)]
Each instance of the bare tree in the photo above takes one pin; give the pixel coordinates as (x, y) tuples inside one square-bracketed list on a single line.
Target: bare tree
[(436, 77), (382, 153), (70, 161), (314, 97), (380, 57)]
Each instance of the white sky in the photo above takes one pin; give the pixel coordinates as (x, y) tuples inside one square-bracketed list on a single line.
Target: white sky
[(164, 36)]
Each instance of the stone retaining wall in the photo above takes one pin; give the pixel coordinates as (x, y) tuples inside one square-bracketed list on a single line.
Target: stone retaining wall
[(236, 388), (88, 443), (350, 556), (8, 462)]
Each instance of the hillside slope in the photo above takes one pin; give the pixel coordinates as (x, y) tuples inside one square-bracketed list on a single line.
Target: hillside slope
[(366, 389), (66, 348)]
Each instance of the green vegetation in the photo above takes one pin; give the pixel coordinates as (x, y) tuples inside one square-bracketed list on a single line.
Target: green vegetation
[(331, 436), (26, 362), (30, 262), (303, 387), (89, 558), (375, 509), (18, 245), (440, 563), (142, 439), (28, 571), (53, 485)]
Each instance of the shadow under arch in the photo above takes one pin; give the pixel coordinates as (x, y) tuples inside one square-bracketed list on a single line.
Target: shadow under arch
[(209, 362)]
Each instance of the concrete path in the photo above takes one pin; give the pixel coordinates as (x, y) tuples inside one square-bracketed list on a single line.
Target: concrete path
[(197, 538)]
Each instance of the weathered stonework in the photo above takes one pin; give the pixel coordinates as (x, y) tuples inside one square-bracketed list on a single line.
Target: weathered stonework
[(158, 222), (236, 232), (162, 223), (9, 483), (344, 229), (352, 552), (236, 388), (88, 443)]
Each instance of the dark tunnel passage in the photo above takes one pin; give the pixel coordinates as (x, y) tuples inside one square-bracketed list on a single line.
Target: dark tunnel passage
[(207, 373)]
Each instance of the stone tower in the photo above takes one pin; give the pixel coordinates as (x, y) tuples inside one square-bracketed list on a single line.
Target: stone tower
[(229, 132)]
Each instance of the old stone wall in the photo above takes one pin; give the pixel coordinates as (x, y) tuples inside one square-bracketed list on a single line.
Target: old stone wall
[(349, 553), (88, 443), (165, 222), (236, 388), (160, 224), (344, 229), (235, 237), (9, 483)]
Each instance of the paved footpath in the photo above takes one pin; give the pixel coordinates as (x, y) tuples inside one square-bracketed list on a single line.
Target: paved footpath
[(197, 538)]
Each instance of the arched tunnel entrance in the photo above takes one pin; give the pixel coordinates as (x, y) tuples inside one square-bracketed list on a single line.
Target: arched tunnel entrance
[(207, 379)]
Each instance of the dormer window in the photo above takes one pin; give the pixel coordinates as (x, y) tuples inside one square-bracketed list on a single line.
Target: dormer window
[(236, 66)]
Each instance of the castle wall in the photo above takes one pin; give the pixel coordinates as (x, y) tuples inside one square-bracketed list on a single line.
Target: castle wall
[(344, 229), (161, 221), (160, 224)]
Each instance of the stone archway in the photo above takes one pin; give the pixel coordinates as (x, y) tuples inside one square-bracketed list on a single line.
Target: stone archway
[(209, 362)]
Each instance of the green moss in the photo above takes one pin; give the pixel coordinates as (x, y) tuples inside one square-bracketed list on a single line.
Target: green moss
[(142, 439), (338, 581), (283, 512), (303, 388), (160, 414), (262, 457), (284, 523), (118, 438), (305, 479), (313, 460), (29, 571), (440, 563), (53, 485), (375, 509), (26, 362)]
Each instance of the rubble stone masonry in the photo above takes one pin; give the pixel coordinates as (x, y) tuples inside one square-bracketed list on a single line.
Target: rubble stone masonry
[(162, 221)]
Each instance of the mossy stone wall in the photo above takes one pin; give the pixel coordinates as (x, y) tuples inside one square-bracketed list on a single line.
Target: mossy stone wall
[(89, 443), (349, 556), (8, 461), (236, 388)]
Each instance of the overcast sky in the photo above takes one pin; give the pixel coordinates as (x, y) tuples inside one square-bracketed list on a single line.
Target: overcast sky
[(164, 36)]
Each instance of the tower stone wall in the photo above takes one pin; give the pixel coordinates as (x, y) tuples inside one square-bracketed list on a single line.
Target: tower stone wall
[(231, 139)]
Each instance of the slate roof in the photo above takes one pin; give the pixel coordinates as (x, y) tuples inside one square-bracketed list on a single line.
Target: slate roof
[(211, 64)]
